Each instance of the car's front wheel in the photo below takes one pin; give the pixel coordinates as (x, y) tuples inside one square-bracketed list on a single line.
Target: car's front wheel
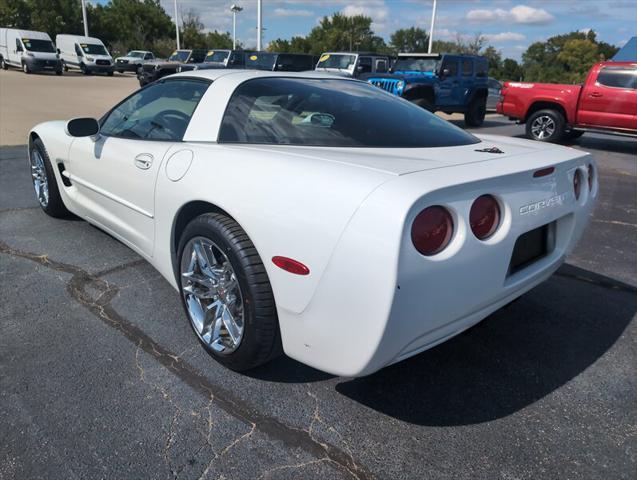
[(44, 183), (25, 67), (545, 126), (226, 293), (3, 64)]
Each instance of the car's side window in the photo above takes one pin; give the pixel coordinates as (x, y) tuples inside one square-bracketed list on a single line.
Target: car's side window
[(160, 111), (148, 56), (78, 52), (451, 64), (467, 67), (618, 77)]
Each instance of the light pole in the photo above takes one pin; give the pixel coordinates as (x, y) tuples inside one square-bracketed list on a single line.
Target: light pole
[(177, 25), (84, 18), (259, 24), (234, 9), (431, 30)]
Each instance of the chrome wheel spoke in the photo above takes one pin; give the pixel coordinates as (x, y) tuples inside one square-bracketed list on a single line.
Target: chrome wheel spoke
[(38, 175), (212, 295)]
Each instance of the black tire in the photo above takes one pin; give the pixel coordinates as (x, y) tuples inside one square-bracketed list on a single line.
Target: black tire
[(261, 341), (3, 64), (425, 103), (572, 134), (550, 118), (109, 73), (58, 72), (474, 116), (25, 68), (84, 70), (55, 207)]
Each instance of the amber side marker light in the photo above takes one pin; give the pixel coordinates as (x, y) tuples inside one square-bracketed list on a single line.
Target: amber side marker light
[(290, 265), (543, 172)]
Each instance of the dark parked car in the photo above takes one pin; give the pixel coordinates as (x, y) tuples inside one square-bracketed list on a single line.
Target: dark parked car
[(280, 62), (151, 71), (218, 59)]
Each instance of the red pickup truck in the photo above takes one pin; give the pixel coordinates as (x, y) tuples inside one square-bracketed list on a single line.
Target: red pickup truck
[(605, 103)]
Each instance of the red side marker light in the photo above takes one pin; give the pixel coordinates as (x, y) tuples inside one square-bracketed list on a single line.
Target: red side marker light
[(543, 172), (291, 265)]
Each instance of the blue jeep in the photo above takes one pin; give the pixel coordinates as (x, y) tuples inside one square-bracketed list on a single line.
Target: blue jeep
[(447, 83)]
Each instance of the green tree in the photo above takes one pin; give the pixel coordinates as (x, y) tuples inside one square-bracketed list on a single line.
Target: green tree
[(15, 14), (542, 61), (577, 56), (409, 40), (341, 32), (510, 70), (494, 57)]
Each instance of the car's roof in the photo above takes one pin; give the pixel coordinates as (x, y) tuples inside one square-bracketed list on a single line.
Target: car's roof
[(241, 75)]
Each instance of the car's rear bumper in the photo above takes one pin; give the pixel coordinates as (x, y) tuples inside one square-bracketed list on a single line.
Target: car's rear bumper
[(379, 301)]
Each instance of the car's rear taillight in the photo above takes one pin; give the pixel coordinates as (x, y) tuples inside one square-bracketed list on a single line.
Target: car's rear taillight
[(591, 177), (432, 230), (577, 184), (484, 216)]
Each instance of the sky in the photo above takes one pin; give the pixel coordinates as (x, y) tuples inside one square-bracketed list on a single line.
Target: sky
[(510, 26)]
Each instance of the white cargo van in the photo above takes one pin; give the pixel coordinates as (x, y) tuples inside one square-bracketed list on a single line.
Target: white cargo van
[(87, 54), (30, 51)]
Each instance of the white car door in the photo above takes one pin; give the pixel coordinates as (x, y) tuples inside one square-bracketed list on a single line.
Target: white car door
[(115, 173)]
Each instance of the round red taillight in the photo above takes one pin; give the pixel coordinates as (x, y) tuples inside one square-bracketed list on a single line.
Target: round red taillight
[(591, 173), (432, 230), (577, 184), (484, 217)]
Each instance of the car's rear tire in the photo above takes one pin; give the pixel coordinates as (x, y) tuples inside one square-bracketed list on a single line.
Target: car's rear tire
[(474, 116), (546, 126), (46, 188), (424, 102), (226, 293)]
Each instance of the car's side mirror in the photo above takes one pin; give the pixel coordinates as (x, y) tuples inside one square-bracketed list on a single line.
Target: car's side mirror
[(445, 72), (58, 50), (82, 127)]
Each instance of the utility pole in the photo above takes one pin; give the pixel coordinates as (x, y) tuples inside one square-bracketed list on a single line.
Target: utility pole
[(177, 25), (259, 24), (84, 18), (234, 9), (431, 30)]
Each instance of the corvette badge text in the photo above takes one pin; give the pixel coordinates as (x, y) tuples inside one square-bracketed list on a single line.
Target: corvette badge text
[(549, 202)]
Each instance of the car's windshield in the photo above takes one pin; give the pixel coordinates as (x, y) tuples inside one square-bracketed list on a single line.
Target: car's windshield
[(93, 49), (33, 45), (331, 113), (179, 56), (416, 65), (260, 61), (218, 56), (135, 54), (332, 60)]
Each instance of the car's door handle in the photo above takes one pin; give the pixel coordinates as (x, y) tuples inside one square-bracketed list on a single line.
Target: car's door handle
[(596, 94), (144, 161)]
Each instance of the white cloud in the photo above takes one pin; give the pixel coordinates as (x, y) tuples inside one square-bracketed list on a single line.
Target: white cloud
[(504, 37), (292, 12), (521, 14), (376, 9)]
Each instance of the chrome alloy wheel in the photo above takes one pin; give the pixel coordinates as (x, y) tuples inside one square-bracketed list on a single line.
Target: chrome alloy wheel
[(40, 181), (212, 295), (542, 127)]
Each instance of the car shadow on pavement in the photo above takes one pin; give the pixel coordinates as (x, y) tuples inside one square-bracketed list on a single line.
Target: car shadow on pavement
[(513, 358)]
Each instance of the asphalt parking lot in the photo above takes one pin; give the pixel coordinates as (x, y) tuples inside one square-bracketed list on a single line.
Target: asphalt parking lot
[(101, 376)]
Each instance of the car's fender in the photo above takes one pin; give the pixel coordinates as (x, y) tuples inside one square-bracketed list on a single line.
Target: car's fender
[(289, 205)]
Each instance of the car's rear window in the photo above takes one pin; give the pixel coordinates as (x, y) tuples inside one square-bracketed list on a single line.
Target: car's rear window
[(331, 113)]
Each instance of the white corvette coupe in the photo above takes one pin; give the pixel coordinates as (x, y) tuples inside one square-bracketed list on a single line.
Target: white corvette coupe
[(315, 214)]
